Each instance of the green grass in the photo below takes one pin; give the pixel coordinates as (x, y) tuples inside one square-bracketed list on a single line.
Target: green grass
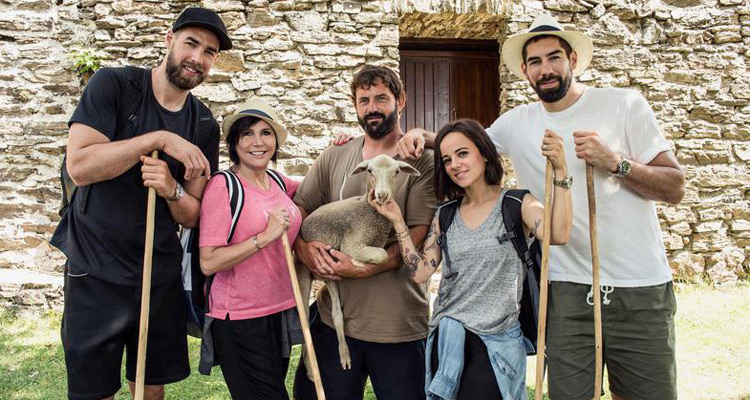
[(713, 353)]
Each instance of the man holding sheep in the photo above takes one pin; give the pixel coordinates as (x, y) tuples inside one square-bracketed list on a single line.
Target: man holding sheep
[(385, 313)]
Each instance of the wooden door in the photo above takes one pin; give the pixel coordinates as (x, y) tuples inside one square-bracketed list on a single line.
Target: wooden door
[(446, 80)]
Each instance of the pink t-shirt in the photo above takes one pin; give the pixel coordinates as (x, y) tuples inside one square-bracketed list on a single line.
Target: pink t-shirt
[(259, 285)]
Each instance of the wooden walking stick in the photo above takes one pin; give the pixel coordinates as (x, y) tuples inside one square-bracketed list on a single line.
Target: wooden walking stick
[(595, 285), (140, 369), (543, 284), (301, 307)]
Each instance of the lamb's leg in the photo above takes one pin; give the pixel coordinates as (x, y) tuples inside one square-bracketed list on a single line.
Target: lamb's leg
[(304, 278), (338, 322), (352, 245), (372, 255)]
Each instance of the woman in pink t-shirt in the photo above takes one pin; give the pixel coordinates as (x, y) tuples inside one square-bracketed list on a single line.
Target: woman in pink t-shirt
[(251, 294)]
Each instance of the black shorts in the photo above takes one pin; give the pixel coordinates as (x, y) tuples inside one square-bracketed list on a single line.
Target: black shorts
[(249, 353), (100, 319), (478, 377)]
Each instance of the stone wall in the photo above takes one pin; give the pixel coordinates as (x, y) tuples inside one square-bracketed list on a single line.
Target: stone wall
[(688, 57)]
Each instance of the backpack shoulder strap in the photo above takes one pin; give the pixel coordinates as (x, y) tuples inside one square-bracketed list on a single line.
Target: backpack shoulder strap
[(511, 207), (236, 198), (446, 212), (135, 81), (276, 177), (204, 121)]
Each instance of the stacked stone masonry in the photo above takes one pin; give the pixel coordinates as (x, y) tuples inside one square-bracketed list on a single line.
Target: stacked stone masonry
[(689, 58)]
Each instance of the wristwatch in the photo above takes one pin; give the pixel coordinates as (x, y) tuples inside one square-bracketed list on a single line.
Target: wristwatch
[(623, 168), (178, 192), (564, 183)]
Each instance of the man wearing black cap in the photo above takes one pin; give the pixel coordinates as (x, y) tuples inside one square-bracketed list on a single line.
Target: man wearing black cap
[(124, 115)]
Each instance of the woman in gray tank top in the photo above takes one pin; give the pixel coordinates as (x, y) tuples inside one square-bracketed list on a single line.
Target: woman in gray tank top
[(475, 348)]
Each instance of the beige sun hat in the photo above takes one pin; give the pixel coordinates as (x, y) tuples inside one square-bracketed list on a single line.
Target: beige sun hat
[(258, 108), (545, 24)]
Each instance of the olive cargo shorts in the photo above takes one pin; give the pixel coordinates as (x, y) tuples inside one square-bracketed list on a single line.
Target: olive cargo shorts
[(638, 337)]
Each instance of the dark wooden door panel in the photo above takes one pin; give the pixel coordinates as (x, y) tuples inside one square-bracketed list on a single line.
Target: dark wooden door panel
[(475, 90), (443, 93), (445, 85), (428, 92)]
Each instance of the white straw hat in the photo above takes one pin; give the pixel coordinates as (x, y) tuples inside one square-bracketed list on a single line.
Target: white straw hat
[(545, 24), (258, 108)]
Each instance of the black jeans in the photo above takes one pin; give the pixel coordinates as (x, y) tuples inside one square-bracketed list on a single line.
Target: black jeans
[(396, 370)]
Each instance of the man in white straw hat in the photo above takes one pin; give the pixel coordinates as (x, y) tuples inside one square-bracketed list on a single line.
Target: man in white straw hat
[(616, 132), (123, 116)]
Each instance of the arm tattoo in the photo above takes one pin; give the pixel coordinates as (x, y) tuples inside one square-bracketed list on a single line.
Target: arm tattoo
[(412, 259), (433, 230), (536, 227), (401, 236), (430, 242)]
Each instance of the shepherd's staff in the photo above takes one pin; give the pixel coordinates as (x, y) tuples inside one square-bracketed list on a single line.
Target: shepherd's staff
[(301, 307), (595, 284), (543, 284), (140, 369)]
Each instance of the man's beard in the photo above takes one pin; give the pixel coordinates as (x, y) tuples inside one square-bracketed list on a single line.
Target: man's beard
[(182, 82), (381, 129), (553, 95)]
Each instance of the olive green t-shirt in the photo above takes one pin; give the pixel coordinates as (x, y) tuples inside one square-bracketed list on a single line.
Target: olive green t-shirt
[(388, 307)]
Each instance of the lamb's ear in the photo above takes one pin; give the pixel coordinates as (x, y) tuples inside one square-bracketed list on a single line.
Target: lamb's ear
[(361, 167), (407, 168)]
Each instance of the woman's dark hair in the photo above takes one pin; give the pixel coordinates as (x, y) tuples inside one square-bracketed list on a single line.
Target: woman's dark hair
[(445, 188), (235, 132)]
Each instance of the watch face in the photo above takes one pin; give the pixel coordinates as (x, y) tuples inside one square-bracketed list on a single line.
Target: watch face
[(564, 183), (625, 167)]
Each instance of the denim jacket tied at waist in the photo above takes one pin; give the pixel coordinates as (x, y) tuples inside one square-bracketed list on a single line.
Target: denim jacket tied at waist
[(506, 352)]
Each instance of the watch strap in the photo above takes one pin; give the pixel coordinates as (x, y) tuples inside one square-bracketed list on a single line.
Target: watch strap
[(178, 192), (564, 183)]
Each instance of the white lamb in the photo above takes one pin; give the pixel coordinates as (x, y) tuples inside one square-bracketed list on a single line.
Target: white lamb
[(353, 227)]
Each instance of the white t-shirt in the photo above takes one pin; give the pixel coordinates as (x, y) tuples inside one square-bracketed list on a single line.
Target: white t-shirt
[(631, 251)]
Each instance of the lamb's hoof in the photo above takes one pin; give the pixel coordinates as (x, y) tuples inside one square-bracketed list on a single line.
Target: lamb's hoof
[(346, 360)]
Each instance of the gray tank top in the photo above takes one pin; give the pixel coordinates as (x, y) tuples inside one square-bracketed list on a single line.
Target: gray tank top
[(482, 288)]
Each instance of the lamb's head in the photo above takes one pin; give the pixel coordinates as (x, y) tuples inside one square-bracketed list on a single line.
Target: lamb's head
[(381, 171)]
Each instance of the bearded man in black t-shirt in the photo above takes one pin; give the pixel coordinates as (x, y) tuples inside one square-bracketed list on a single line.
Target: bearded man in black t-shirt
[(102, 232)]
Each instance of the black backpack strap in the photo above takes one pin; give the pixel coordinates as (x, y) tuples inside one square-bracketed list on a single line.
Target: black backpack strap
[(446, 213), (135, 81), (530, 256), (236, 198), (204, 121), (511, 207), (276, 177)]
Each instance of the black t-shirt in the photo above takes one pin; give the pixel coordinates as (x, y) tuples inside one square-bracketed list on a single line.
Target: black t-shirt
[(105, 236)]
